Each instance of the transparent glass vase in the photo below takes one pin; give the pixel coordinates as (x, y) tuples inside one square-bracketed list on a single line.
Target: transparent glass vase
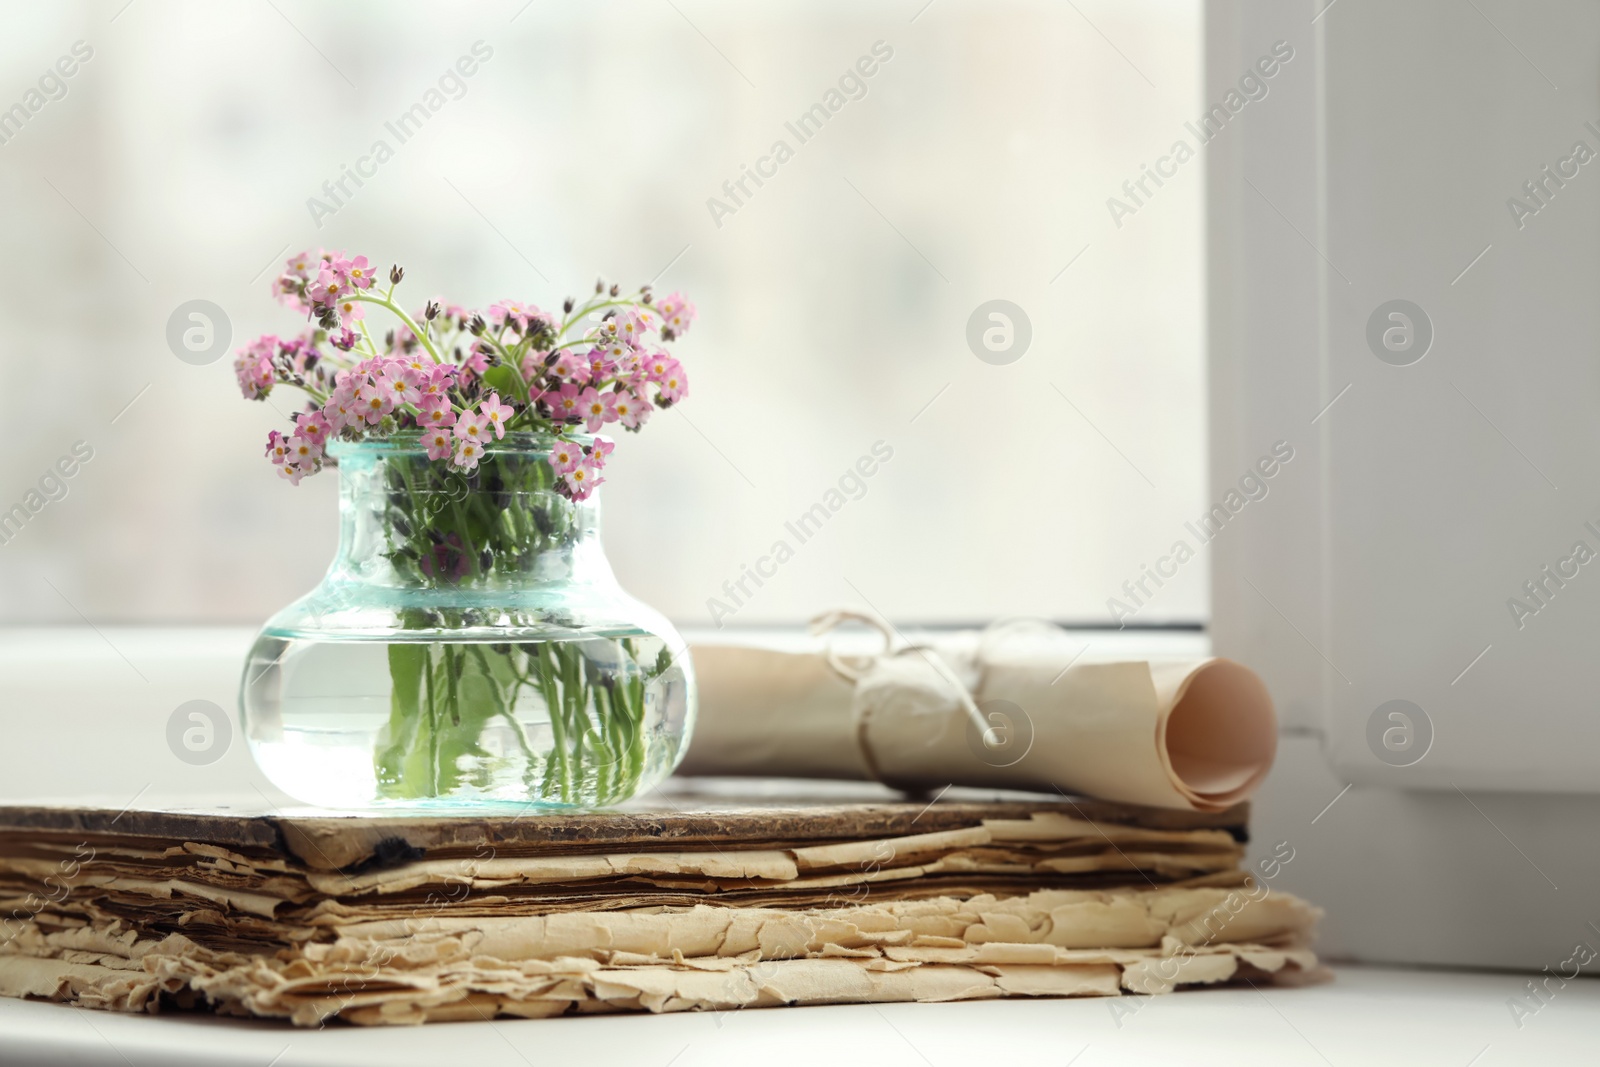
[(469, 646)]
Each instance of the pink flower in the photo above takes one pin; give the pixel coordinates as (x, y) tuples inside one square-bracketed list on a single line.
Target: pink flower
[(372, 401), (582, 480), (304, 265), (350, 309), (513, 311), (397, 380), (633, 324), (440, 378), (657, 364), (599, 451), (437, 414), (289, 286), (344, 340), (673, 385), (277, 448), (340, 411), (438, 443), (329, 287), (601, 365), (468, 452), (287, 290), (597, 408), (303, 450), (293, 473), (497, 414), (418, 365), (677, 314), (359, 271), (565, 406), (472, 427), (631, 410), (566, 456), (571, 366), (254, 371), (477, 361), (315, 427)]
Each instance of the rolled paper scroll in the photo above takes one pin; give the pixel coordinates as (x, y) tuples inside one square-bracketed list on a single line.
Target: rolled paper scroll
[(998, 710)]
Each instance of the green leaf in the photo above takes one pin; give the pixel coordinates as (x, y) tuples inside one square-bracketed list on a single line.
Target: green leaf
[(504, 379)]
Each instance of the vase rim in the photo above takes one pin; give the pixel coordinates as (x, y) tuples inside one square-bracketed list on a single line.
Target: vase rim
[(409, 442)]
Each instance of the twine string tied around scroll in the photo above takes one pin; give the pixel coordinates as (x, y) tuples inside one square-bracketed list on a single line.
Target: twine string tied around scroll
[(853, 669)]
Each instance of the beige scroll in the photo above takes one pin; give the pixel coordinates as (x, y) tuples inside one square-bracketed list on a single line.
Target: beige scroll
[(999, 710)]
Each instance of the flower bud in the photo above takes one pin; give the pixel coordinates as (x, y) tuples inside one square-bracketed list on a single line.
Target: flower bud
[(396, 272), (566, 305), (432, 311), (615, 290), (477, 325), (599, 286)]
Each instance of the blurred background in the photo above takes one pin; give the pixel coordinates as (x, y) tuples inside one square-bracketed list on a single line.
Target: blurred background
[(176, 163)]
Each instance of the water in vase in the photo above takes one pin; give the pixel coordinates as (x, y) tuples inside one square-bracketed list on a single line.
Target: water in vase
[(409, 720)]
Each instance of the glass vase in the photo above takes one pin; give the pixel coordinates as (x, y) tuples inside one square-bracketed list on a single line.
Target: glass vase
[(469, 646)]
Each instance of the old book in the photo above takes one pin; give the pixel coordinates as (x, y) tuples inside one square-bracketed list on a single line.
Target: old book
[(697, 902)]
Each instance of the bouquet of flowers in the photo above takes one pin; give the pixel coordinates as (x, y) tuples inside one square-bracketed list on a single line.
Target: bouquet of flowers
[(461, 377), (475, 689)]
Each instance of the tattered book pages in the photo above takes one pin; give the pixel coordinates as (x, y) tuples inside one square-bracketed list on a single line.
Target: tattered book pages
[(721, 906)]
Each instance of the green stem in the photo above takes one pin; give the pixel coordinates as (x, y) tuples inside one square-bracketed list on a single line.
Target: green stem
[(433, 726), (581, 314), (504, 708), (572, 689), (466, 538), (605, 702), (366, 338), (366, 297), (450, 655), (320, 398), (549, 672)]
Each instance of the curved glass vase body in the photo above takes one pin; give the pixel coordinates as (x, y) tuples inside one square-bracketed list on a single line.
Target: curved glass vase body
[(469, 646)]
